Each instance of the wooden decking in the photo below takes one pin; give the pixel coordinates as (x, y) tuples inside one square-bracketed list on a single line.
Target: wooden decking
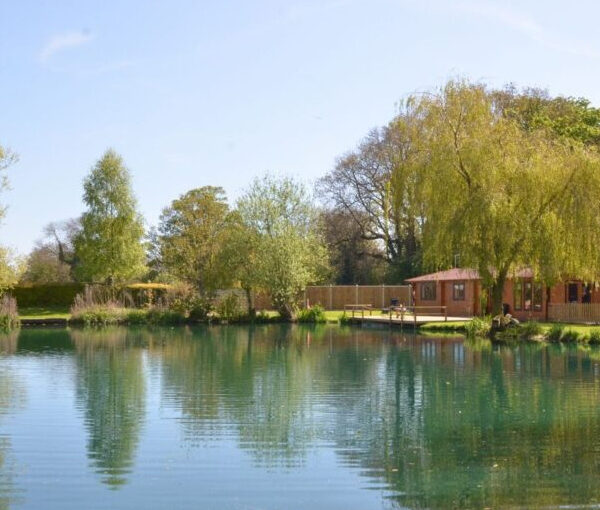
[(408, 321)]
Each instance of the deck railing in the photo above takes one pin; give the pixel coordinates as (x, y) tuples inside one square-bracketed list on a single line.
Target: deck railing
[(406, 313), (584, 313)]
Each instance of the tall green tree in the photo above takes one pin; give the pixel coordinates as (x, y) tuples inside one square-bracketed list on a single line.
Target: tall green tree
[(288, 251), (504, 197), (191, 235), (109, 246), (10, 266)]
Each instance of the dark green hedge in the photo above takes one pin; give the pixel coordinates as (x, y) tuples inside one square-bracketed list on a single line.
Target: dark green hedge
[(47, 295)]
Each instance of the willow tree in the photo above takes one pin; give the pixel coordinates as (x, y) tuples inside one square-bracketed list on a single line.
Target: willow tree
[(503, 197), (109, 245)]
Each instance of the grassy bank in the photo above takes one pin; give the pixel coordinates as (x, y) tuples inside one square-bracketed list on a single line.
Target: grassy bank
[(59, 312)]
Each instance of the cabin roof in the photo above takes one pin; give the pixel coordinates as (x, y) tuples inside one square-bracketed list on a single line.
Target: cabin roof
[(459, 273)]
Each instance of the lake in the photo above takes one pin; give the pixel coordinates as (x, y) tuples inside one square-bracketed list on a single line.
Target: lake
[(292, 417)]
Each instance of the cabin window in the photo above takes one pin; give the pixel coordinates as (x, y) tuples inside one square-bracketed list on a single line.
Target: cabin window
[(572, 293), (518, 295), (528, 295), (428, 291), (537, 297), (458, 291)]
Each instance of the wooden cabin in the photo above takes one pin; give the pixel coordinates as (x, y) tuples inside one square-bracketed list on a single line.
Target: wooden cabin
[(460, 291)]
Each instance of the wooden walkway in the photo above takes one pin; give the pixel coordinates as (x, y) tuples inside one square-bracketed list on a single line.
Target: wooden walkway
[(408, 322)]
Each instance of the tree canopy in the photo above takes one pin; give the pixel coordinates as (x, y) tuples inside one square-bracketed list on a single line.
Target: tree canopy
[(503, 197), (282, 230), (191, 236), (109, 246)]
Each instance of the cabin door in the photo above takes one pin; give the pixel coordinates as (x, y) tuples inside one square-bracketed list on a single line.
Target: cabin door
[(572, 293)]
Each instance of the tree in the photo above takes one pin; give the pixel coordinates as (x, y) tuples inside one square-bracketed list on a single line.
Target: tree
[(60, 239), (282, 227), (7, 158), (10, 266), (377, 185), (11, 269), (109, 245), (504, 197), (43, 266), (354, 259), (191, 235)]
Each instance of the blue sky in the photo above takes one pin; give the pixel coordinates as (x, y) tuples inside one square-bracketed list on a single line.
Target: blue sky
[(195, 93)]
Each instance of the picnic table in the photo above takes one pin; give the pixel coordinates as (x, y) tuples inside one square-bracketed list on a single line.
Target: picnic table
[(360, 308)]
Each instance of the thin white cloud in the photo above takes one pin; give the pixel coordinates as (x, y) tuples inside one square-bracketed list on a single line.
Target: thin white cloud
[(64, 41), (515, 20), (527, 26)]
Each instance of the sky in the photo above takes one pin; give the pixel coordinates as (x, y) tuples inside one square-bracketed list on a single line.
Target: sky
[(194, 93)]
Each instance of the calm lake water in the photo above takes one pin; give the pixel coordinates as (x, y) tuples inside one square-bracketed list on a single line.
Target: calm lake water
[(280, 417)]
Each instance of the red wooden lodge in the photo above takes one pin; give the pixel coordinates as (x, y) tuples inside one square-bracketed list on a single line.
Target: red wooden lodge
[(460, 291)]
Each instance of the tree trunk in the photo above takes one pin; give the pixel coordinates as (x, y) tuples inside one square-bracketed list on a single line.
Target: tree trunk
[(249, 298), (496, 294)]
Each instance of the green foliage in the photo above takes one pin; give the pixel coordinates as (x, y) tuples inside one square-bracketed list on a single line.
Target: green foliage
[(11, 269), (571, 336), (229, 308), (594, 336), (530, 329), (344, 319), (279, 224), (164, 317), (478, 326), (314, 314), (52, 295), (9, 314), (191, 235), (43, 267), (556, 333), (109, 245), (503, 197)]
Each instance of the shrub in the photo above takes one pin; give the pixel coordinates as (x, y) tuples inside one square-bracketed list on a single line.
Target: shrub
[(229, 308), (479, 326), (9, 314), (530, 329), (344, 319), (97, 306), (315, 314), (47, 295), (164, 316), (180, 297), (556, 333), (594, 337), (137, 316), (570, 336), (263, 317)]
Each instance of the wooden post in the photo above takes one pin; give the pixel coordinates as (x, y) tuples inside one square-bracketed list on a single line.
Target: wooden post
[(445, 314), (330, 297), (356, 294), (383, 296)]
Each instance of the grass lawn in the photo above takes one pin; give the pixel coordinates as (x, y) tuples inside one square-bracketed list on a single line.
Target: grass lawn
[(44, 313), (443, 326)]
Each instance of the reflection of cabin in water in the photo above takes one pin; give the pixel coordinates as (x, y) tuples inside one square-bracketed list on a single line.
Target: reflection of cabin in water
[(460, 290)]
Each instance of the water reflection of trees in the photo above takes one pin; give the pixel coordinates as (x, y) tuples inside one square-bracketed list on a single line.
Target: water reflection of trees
[(12, 395), (111, 391), (442, 422)]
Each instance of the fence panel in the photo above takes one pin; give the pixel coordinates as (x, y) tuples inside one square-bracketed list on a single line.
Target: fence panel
[(335, 297), (584, 313)]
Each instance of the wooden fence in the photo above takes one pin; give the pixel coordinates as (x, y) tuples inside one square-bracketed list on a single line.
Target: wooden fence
[(585, 313), (335, 297)]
